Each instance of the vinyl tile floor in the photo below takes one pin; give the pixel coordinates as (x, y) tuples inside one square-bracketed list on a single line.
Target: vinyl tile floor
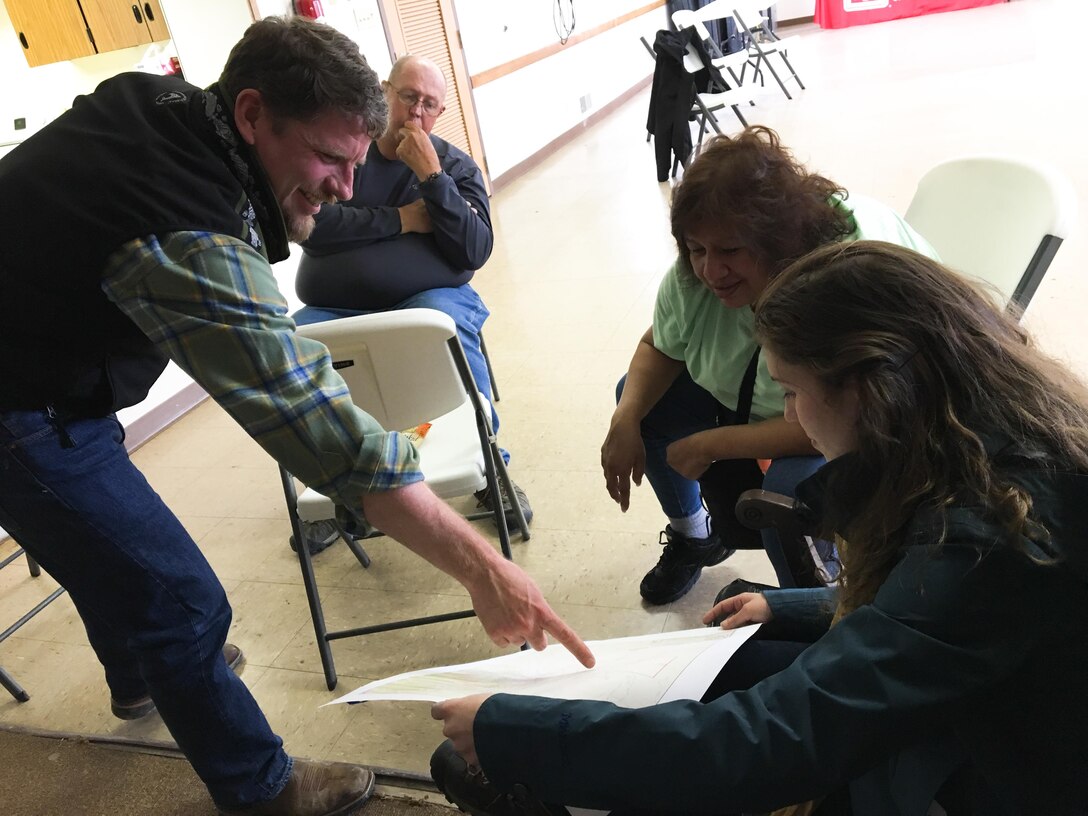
[(582, 243)]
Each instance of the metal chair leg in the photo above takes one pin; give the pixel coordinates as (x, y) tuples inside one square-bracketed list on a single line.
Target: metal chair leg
[(777, 78), (13, 687), (487, 358), (6, 680), (305, 561), (357, 549), (796, 76)]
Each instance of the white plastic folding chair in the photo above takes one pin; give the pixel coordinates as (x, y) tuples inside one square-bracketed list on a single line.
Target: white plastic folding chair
[(760, 40), (734, 64), (716, 99), (406, 368), (1000, 219)]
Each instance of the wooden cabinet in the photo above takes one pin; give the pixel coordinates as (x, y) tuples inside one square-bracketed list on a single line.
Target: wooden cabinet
[(50, 30), (55, 30), (122, 23), (156, 23), (115, 24)]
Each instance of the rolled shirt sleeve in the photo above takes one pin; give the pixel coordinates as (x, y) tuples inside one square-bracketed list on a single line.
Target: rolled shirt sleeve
[(211, 303)]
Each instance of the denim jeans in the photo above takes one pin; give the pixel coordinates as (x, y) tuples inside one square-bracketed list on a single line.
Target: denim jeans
[(155, 613), (462, 303), (687, 408)]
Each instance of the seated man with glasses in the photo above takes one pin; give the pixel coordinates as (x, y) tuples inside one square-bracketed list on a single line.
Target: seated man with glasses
[(413, 234)]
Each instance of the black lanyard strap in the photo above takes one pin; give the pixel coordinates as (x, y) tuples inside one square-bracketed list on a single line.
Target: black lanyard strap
[(747, 390)]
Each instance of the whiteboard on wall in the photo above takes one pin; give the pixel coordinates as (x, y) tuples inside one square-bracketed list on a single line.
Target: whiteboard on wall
[(204, 32), (362, 21), (359, 19)]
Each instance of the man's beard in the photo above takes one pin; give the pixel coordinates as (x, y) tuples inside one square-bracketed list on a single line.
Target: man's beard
[(299, 227)]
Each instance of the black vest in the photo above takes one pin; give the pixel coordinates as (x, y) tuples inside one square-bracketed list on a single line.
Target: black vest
[(142, 155)]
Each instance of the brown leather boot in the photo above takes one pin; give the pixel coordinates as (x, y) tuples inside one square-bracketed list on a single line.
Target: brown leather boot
[(316, 789)]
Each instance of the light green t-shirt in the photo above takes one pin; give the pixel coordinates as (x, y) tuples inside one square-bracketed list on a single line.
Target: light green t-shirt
[(716, 342)]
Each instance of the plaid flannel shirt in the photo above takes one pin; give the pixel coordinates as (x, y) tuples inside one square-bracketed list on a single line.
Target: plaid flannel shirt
[(211, 303)]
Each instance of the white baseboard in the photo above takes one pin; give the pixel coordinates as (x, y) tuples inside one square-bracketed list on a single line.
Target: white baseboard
[(162, 416)]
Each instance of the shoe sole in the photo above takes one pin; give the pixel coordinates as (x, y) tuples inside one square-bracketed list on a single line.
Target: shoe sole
[(132, 712), (239, 663), (354, 805), (344, 810), (661, 600), (728, 552), (447, 753)]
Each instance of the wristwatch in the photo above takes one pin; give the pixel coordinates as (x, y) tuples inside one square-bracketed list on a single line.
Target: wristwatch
[(430, 178)]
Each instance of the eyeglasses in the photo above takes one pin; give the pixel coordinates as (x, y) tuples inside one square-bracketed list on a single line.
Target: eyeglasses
[(431, 107)]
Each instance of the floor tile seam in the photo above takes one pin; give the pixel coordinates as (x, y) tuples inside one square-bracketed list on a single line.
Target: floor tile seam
[(83, 644)]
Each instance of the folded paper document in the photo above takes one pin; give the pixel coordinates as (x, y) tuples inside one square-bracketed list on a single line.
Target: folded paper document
[(632, 671)]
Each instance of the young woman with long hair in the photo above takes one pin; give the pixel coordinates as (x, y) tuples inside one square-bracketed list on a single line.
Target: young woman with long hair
[(950, 664)]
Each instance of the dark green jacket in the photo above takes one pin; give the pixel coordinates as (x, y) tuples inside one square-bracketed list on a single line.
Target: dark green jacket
[(974, 653)]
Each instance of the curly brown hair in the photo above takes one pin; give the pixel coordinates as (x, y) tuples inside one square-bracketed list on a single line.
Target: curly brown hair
[(938, 367), (751, 184)]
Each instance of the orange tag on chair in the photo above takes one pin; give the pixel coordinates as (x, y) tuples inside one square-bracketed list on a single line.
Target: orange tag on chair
[(417, 433)]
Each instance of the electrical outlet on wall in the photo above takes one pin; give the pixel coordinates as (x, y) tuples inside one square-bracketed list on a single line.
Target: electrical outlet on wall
[(586, 103)]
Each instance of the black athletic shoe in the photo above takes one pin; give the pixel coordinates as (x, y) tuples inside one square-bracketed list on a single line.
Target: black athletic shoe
[(680, 565), (469, 790), (737, 587)]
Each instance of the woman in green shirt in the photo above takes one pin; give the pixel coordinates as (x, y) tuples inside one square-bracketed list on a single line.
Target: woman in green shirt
[(697, 407)]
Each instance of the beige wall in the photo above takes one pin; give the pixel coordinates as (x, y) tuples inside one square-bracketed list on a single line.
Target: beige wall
[(793, 9)]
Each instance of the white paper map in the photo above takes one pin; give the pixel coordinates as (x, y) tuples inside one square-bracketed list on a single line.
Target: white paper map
[(632, 671)]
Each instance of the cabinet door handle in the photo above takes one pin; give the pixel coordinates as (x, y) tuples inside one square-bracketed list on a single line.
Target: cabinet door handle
[(148, 13), (22, 40), (137, 15)]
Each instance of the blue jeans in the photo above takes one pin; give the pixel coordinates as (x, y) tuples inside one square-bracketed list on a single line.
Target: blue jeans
[(462, 303), (687, 408), (155, 613)]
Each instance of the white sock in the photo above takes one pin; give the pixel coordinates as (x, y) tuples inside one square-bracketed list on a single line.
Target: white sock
[(697, 525)]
